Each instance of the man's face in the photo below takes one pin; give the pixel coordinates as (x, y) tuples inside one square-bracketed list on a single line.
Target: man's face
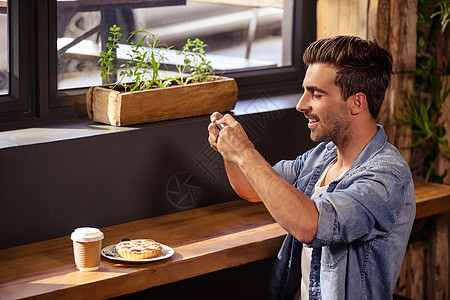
[(323, 106)]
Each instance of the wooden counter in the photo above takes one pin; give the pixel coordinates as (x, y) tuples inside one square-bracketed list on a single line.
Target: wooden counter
[(431, 199), (205, 240)]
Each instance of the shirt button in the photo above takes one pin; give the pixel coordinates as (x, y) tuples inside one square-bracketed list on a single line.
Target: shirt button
[(315, 268)]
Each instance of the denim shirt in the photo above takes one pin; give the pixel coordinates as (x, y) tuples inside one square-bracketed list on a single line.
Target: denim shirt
[(365, 219)]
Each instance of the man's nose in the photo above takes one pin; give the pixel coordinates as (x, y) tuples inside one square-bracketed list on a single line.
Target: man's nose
[(303, 103)]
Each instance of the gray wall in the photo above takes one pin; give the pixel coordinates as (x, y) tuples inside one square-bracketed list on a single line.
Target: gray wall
[(48, 189)]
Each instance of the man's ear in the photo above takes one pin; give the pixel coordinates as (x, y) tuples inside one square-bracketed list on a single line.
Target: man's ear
[(358, 103)]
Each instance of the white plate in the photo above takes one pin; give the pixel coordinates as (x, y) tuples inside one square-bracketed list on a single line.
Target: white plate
[(166, 252)]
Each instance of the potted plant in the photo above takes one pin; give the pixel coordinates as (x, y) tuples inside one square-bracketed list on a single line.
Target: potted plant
[(148, 97)]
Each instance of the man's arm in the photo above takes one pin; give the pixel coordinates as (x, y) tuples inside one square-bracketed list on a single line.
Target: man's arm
[(294, 211), (240, 183)]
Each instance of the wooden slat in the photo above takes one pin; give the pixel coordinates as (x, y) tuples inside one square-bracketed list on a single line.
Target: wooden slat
[(410, 283), (393, 23), (441, 277), (443, 161), (403, 20), (341, 17), (400, 87)]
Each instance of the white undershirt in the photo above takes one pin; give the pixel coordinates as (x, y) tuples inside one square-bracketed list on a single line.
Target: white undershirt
[(303, 292)]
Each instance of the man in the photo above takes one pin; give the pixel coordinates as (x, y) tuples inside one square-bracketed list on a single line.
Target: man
[(348, 204)]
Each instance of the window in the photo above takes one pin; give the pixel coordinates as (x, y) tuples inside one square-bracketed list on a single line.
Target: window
[(55, 46), (240, 35)]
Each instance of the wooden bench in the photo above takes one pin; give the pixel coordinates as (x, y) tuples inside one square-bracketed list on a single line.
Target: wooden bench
[(205, 240)]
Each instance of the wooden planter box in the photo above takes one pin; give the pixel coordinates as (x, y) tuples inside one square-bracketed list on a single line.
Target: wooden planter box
[(119, 109)]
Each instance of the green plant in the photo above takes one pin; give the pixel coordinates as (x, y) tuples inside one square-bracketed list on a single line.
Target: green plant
[(195, 61), (422, 113), (443, 12), (144, 62), (107, 58), (148, 55), (431, 88)]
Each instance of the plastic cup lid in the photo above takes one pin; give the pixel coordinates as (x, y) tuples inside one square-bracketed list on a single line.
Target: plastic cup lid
[(86, 234)]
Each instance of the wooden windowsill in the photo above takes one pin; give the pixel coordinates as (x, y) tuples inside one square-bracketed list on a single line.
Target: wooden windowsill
[(205, 240)]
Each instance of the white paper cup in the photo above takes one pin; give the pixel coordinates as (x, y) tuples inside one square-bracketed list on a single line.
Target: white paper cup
[(87, 244)]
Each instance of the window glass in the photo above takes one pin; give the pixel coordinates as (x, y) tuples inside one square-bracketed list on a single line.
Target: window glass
[(241, 35), (4, 49)]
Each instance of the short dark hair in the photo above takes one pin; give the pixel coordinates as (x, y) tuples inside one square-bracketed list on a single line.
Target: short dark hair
[(362, 66)]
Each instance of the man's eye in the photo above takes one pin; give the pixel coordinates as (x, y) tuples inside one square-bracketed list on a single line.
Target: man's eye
[(314, 95)]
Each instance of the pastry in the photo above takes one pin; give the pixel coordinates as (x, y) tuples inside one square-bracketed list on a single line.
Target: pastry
[(138, 249)]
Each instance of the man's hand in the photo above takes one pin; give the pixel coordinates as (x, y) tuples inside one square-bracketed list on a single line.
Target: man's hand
[(237, 179), (231, 141), (214, 130)]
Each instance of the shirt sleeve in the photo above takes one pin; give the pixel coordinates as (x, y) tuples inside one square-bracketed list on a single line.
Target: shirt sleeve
[(286, 169), (289, 170)]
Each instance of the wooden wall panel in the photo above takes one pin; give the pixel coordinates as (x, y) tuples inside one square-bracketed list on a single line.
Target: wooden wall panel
[(342, 17), (378, 20), (410, 283), (399, 37), (402, 35), (443, 161), (400, 86), (442, 264)]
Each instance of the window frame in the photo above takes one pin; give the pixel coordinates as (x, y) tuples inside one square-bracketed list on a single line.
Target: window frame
[(21, 69), (33, 55)]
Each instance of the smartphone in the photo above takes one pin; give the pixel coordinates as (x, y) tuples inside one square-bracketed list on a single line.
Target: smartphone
[(219, 126)]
